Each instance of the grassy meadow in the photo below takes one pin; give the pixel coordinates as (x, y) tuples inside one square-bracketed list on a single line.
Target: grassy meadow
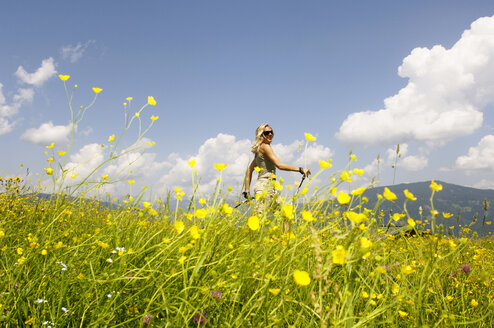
[(313, 258)]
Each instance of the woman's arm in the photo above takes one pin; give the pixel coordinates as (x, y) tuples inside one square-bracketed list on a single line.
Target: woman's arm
[(267, 151), (248, 176)]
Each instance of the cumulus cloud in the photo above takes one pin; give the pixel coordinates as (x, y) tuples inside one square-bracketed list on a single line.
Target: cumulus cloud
[(446, 91), (236, 153), (174, 171), (484, 184), (414, 163), (73, 53), (42, 74), (9, 109), (480, 157), (47, 133)]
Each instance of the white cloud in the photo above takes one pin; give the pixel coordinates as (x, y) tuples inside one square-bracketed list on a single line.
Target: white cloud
[(74, 53), (236, 153), (5, 126), (446, 92), (7, 110), (414, 163), (47, 133), (484, 184), (480, 157), (42, 74)]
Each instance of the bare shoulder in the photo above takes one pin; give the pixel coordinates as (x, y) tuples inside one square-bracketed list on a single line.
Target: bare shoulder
[(265, 149)]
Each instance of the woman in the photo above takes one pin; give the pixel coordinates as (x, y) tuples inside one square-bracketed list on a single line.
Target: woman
[(267, 161)]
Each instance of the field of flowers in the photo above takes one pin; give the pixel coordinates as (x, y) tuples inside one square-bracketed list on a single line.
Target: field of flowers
[(314, 258)]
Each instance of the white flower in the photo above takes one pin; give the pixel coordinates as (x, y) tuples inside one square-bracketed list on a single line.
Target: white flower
[(65, 310), (109, 261), (40, 300)]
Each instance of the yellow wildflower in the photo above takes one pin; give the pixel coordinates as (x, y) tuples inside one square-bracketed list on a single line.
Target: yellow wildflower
[(274, 291), (220, 167), (97, 90), (111, 138), (409, 195), (49, 171), (343, 198), (194, 232), (253, 223), (389, 195), (436, 187), (340, 255), (192, 163), (301, 277), (179, 226), (151, 101), (64, 77), (307, 216), (309, 137), (324, 165)]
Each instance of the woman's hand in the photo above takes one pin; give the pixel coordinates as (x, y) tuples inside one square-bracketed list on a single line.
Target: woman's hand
[(305, 172)]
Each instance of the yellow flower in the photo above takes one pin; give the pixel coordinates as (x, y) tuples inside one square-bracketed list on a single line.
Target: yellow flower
[(307, 216), (364, 294), (389, 195), (64, 77), (253, 223), (179, 226), (182, 259), (365, 243), (129, 98), (343, 198), (194, 232), (49, 171), (131, 181), (44, 252), (356, 218), (407, 269), (111, 138), (257, 168), (49, 160), (358, 172), (287, 211), (397, 216), (409, 195), (97, 90), (154, 118), (274, 291), (301, 277), (51, 146), (358, 192), (309, 137), (105, 177), (353, 157), (227, 209), (447, 215), (151, 101), (61, 152), (474, 303), (436, 187), (303, 191), (20, 251), (324, 165), (395, 289), (449, 298), (137, 114), (411, 222), (402, 314), (220, 167), (345, 176), (152, 211), (200, 213), (340, 255), (192, 163)]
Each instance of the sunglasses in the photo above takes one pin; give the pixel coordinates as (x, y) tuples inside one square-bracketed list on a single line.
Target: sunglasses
[(267, 133)]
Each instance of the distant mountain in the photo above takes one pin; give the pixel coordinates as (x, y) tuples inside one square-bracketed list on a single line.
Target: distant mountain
[(468, 205)]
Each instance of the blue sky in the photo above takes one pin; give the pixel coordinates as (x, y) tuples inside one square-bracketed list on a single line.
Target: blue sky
[(358, 75)]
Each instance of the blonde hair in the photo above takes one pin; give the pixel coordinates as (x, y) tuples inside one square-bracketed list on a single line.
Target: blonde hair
[(259, 138)]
